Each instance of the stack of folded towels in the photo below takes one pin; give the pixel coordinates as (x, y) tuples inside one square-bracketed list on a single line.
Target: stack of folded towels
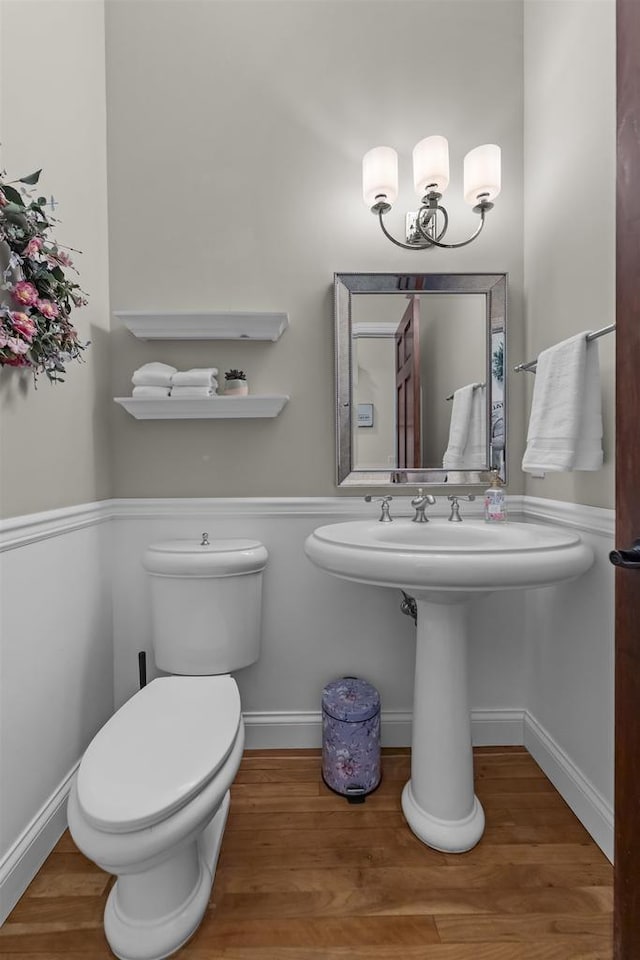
[(199, 382), (162, 380)]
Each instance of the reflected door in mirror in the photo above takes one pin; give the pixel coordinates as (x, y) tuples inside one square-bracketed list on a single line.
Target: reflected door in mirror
[(408, 420)]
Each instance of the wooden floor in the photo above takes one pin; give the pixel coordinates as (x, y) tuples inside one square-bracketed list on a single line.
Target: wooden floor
[(305, 876)]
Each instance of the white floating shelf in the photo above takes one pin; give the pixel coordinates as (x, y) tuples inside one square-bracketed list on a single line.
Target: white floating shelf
[(215, 408), (154, 325)]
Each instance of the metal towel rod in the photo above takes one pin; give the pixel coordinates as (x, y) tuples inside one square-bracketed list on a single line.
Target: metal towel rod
[(450, 397), (532, 364)]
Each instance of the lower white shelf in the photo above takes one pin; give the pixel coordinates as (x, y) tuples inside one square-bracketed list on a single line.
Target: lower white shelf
[(215, 408)]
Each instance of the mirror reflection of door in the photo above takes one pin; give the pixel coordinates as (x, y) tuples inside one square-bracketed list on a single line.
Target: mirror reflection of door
[(408, 426), (410, 354)]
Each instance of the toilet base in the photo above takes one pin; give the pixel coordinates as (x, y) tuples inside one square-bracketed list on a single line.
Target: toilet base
[(150, 915)]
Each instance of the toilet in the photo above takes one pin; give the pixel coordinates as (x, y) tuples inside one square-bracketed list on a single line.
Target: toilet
[(150, 799)]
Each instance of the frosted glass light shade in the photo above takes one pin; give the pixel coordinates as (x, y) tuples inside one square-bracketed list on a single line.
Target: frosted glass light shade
[(431, 165), (380, 176), (482, 173)]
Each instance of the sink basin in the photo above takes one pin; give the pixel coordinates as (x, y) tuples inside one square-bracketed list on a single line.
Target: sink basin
[(444, 565), (437, 559)]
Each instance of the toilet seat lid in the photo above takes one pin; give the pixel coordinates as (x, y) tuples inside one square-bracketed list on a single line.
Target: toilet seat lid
[(158, 751)]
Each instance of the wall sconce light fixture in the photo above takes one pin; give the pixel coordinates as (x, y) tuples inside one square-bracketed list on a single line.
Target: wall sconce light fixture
[(427, 227)]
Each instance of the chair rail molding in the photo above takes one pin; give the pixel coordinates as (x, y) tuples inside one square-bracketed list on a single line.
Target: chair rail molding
[(28, 528)]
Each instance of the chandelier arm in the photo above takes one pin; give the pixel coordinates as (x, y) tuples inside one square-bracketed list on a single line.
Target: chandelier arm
[(398, 243), (423, 230), (461, 243)]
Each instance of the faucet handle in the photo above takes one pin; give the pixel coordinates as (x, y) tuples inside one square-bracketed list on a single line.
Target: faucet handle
[(455, 517), (385, 516)]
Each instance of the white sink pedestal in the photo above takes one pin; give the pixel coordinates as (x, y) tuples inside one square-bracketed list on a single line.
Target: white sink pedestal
[(443, 565), (438, 802)]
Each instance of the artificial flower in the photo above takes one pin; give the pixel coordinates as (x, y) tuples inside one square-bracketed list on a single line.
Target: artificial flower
[(17, 346), (34, 247), (23, 323), (47, 309), (25, 293)]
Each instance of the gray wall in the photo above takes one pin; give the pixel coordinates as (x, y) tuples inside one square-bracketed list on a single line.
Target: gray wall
[(218, 143), (236, 132), (55, 440), (374, 447), (569, 227)]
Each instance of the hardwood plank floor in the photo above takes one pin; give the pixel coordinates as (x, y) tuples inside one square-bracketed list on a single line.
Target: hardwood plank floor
[(305, 876)]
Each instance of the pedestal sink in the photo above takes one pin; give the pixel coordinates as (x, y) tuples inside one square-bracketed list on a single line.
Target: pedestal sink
[(444, 565)]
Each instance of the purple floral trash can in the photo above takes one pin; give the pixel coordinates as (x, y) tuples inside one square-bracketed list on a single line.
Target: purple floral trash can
[(351, 737)]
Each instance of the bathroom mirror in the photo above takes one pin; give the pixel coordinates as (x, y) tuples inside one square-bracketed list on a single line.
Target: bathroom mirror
[(420, 374)]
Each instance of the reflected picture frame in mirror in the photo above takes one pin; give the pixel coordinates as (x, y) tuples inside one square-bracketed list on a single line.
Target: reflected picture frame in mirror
[(492, 287)]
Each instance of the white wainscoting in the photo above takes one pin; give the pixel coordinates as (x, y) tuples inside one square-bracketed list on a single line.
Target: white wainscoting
[(56, 683), (588, 804), (61, 663), (569, 671)]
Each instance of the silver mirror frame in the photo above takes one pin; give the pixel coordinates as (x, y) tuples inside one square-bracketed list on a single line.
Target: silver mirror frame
[(492, 285)]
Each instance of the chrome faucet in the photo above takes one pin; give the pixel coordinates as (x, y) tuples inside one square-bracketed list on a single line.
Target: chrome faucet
[(454, 516), (385, 516), (420, 504)]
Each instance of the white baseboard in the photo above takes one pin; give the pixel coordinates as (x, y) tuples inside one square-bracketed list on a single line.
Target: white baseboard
[(587, 803), (21, 863), (282, 730), (497, 728), (286, 730)]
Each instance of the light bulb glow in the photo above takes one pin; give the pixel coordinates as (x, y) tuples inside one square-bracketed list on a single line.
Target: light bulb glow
[(431, 165), (482, 174), (380, 176)]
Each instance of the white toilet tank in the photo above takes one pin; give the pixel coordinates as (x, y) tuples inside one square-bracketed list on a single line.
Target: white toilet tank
[(206, 604)]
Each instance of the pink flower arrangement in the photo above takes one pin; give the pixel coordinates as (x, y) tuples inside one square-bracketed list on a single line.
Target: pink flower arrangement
[(35, 326)]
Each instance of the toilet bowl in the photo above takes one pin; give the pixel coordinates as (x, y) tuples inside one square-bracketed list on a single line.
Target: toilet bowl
[(150, 800)]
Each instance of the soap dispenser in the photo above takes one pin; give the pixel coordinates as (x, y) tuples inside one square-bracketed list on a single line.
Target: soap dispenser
[(495, 502)]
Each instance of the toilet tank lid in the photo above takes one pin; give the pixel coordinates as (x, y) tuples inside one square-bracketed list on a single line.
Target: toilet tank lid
[(159, 750), (219, 558)]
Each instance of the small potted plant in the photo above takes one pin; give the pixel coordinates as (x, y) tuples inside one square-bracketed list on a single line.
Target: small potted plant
[(235, 383)]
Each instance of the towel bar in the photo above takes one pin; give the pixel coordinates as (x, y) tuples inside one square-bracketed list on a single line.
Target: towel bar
[(450, 397), (531, 365)]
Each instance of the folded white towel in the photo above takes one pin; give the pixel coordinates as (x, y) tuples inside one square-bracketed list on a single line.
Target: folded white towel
[(467, 447), (183, 393), (565, 428), (153, 375), (151, 391), (197, 377)]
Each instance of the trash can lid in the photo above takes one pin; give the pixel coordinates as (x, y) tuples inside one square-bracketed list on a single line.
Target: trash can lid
[(350, 699)]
